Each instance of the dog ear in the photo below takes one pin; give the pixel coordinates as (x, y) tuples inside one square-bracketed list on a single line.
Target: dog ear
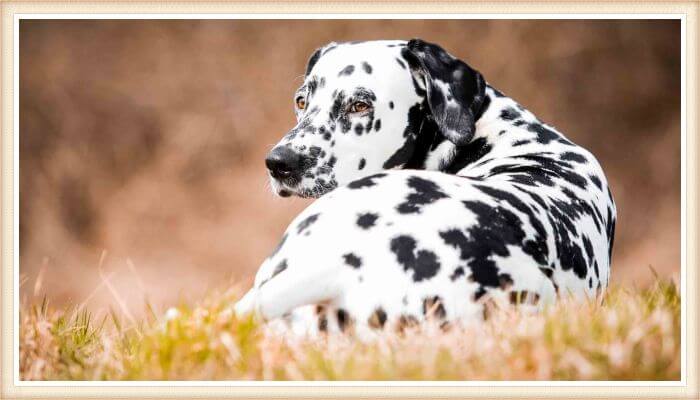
[(317, 54), (455, 91)]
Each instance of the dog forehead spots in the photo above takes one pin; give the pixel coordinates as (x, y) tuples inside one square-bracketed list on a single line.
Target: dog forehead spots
[(346, 90)]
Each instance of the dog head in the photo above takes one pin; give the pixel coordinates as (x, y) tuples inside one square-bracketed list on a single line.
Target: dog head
[(369, 106)]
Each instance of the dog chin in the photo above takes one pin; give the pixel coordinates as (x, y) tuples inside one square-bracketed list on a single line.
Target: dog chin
[(283, 190)]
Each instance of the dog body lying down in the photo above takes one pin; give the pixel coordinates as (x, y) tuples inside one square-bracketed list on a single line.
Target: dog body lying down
[(437, 196)]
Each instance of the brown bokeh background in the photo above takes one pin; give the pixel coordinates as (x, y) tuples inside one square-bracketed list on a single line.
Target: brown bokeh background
[(142, 142)]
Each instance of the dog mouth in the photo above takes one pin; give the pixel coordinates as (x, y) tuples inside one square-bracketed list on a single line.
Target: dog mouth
[(317, 189)]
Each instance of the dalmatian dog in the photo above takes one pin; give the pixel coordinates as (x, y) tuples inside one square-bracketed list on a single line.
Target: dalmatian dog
[(437, 196)]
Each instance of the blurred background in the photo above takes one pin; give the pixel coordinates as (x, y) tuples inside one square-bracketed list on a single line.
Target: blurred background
[(142, 142)]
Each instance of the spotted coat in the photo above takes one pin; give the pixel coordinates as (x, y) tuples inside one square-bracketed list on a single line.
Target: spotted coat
[(438, 196)]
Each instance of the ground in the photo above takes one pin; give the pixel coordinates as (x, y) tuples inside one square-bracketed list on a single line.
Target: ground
[(633, 335)]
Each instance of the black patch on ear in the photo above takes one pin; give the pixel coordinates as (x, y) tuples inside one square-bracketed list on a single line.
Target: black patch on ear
[(466, 86), (312, 61), (367, 67)]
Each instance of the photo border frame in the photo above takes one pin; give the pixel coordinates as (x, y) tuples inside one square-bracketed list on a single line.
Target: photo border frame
[(13, 11)]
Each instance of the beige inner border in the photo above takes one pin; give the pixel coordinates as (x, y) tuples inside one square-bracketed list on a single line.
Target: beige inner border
[(688, 8)]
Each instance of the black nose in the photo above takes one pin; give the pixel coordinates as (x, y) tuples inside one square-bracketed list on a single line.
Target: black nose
[(283, 162)]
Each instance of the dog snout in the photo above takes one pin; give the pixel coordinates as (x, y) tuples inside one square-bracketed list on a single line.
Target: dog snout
[(283, 163)]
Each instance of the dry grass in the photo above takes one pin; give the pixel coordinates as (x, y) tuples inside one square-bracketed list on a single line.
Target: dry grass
[(635, 335)]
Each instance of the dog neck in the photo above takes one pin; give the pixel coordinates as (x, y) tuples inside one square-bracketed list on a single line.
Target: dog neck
[(435, 152)]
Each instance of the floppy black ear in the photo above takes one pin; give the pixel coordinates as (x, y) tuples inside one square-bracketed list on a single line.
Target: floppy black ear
[(317, 54), (455, 91)]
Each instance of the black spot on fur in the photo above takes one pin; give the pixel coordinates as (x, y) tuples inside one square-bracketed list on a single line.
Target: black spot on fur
[(416, 121), (322, 318), (497, 92), (524, 297), (359, 129), (367, 220), (279, 245), (423, 263), (367, 67), (347, 71), (329, 48), (362, 163), (423, 192), (312, 61), (575, 157), (536, 247), (521, 142), (544, 134), (433, 307), (377, 319), (466, 155), (459, 271), (406, 322), (510, 114), (596, 181), (352, 260), (377, 124), (306, 222), (278, 269), (401, 63), (391, 105), (504, 281), (343, 319), (495, 229), (489, 306), (367, 181)]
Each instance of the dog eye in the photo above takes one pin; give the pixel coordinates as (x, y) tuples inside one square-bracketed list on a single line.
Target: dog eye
[(301, 102), (358, 107)]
